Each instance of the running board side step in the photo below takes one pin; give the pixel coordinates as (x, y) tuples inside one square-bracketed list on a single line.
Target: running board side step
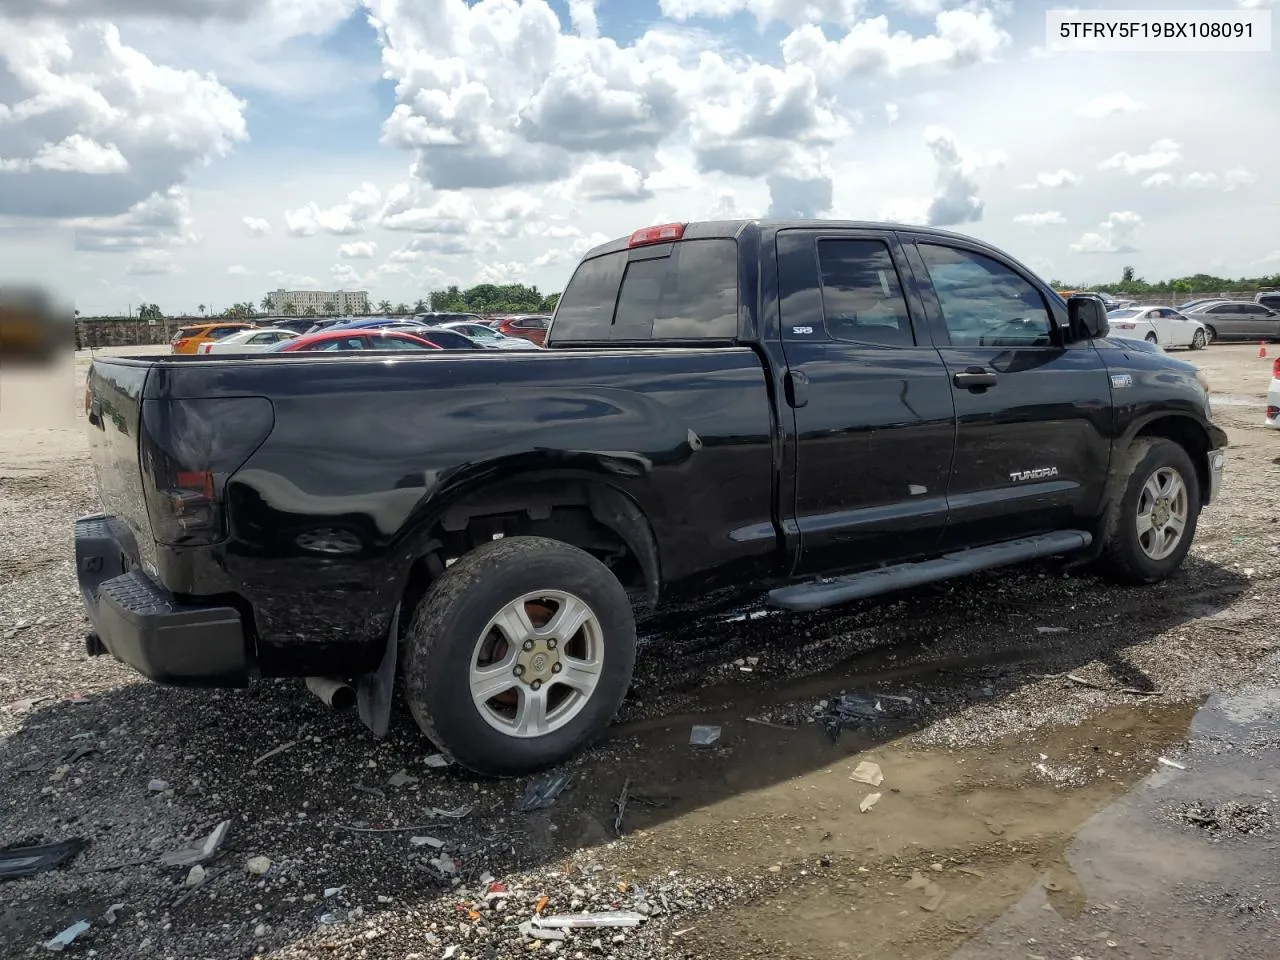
[(818, 594)]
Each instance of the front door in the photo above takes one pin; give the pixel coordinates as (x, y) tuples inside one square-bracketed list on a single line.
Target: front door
[(874, 415), (1033, 415)]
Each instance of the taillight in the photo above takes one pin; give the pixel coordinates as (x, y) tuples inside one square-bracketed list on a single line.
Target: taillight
[(660, 234), (179, 343), (190, 448), (1275, 369)]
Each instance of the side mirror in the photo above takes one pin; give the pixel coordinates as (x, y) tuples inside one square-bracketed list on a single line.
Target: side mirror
[(1087, 318)]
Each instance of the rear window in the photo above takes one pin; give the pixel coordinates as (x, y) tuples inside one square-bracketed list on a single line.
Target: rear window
[(217, 333), (187, 332), (680, 291)]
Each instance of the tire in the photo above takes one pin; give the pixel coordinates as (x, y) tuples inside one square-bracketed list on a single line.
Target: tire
[(1199, 341), (1211, 333), (1124, 558), (453, 629), (1151, 338)]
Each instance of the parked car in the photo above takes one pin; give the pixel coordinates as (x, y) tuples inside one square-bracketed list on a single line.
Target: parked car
[(440, 319), (347, 340), (444, 338), (1237, 320), (1162, 325), (1272, 418), (1269, 299), (298, 325), (190, 339), (489, 337), (1108, 301), (325, 324), (897, 406), (253, 340), (1192, 304), (533, 329)]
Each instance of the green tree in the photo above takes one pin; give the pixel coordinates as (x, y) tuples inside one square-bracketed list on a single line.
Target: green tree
[(330, 308), (384, 307), (1126, 275), (309, 312), (289, 310), (202, 308), (401, 309), (420, 306), (266, 304)]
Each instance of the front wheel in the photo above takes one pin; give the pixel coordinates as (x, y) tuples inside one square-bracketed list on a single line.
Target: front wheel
[(1151, 338), (519, 655), (1199, 342), (1152, 514)]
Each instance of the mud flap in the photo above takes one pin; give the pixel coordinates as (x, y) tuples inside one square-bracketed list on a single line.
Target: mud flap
[(374, 690)]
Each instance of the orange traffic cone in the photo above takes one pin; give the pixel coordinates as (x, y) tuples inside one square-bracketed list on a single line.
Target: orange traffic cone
[(1262, 349)]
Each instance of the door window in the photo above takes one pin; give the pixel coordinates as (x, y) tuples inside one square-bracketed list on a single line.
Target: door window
[(984, 302), (862, 297)]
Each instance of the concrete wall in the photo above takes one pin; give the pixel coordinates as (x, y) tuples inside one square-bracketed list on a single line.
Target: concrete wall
[(128, 333)]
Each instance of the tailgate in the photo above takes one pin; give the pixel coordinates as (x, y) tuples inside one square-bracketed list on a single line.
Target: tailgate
[(113, 397)]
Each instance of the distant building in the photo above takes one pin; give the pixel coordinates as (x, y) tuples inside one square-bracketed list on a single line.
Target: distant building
[(345, 302)]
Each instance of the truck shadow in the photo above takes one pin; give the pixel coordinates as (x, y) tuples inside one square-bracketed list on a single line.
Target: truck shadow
[(941, 651)]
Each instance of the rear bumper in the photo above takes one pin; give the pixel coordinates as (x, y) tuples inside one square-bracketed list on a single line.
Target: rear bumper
[(144, 626), (1271, 416)]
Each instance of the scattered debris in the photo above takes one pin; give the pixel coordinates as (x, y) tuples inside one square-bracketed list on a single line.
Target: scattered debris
[(275, 751), (1166, 762), (542, 793), (372, 791), (111, 915), (431, 842), (20, 708), (28, 861), (258, 865), (437, 761), (67, 936), (1052, 630), (703, 735), (402, 779), (770, 724), (608, 918), (971, 871), (445, 864), (195, 876), (536, 932), (868, 773), (620, 806), (191, 856), (1235, 817), (932, 892), (1085, 683), (333, 891), (158, 786), (869, 801), (852, 710)]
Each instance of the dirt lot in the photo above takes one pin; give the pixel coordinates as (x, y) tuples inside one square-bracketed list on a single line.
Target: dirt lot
[(1025, 809)]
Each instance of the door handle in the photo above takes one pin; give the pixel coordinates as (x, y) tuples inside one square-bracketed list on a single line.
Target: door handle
[(974, 378)]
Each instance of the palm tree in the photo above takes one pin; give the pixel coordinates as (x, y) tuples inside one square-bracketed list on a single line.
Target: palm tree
[(384, 306), (266, 304), (401, 309), (329, 308), (202, 308), (289, 310), (420, 306), (309, 312)]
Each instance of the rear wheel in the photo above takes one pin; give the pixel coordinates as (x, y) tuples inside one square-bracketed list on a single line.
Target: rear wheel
[(1151, 338), (1198, 342), (1152, 515), (519, 655), (1210, 334)]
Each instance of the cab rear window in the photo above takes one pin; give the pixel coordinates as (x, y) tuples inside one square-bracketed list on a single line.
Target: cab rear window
[(686, 290)]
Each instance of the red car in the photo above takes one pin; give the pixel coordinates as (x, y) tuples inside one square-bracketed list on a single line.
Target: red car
[(533, 329), (358, 339)]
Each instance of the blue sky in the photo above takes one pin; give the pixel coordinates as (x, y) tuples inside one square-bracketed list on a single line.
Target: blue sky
[(180, 160)]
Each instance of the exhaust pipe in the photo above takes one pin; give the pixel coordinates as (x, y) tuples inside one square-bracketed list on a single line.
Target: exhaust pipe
[(333, 693)]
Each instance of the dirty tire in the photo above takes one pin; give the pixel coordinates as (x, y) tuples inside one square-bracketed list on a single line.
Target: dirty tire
[(1123, 559), (1211, 334), (448, 623), (1199, 341)]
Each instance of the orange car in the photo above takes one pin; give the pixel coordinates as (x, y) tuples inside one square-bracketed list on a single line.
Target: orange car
[(189, 339)]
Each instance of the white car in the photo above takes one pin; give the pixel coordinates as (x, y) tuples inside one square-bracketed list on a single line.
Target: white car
[(249, 341), (1161, 325), (1273, 397), (488, 336)]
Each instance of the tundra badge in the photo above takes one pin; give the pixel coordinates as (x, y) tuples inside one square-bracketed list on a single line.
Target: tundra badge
[(1040, 473)]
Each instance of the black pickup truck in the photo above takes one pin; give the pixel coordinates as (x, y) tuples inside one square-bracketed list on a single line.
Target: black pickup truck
[(812, 411)]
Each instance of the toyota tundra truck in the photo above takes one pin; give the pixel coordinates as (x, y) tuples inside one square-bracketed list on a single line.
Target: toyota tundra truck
[(810, 412)]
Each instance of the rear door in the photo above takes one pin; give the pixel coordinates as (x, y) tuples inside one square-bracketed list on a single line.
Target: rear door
[(1033, 415), (1258, 322), (874, 415)]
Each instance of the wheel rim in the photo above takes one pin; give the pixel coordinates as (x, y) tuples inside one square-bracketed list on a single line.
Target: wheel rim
[(1151, 338), (1209, 334), (537, 664), (1198, 339), (1163, 509)]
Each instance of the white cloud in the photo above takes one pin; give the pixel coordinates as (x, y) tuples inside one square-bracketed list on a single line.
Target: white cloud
[(342, 220), (360, 250), (1158, 180), (237, 270), (1163, 153), (790, 12), (91, 128), (1108, 105), (1055, 180), (607, 180), (1229, 181), (256, 226), (891, 112), (150, 263), (956, 199), (161, 220), (1115, 235), (1237, 177), (1046, 218)]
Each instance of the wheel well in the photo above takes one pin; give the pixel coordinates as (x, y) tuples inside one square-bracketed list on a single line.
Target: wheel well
[(1190, 436), (591, 516)]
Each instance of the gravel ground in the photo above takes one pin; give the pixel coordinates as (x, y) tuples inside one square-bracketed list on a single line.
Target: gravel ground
[(1051, 693)]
